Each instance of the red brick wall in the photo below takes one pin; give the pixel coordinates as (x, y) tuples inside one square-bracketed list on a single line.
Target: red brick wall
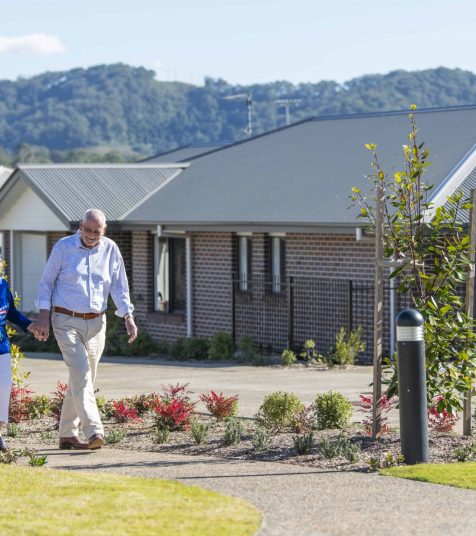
[(213, 262), (329, 255), (311, 255)]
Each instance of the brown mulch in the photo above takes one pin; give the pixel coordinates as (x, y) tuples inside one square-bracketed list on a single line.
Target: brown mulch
[(140, 437)]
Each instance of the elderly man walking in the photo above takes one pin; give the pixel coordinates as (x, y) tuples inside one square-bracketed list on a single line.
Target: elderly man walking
[(81, 272)]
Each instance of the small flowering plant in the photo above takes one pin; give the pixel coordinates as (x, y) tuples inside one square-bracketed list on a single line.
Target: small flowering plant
[(220, 406), (174, 408), (366, 404), (122, 411), (439, 418), (142, 403), (20, 401), (173, 414), (56, 400)]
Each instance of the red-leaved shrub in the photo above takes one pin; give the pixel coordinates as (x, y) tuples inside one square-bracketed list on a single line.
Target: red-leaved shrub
[(220, 406), (20, 402), (176, 392), (123, 412), (366, 404), (56, 400), (440, 421), (173, 414)]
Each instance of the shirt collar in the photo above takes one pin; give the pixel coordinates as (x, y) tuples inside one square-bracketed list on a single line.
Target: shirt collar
[(79, 244)]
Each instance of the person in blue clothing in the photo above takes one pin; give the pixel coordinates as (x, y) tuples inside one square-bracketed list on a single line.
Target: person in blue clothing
[(9, 312)]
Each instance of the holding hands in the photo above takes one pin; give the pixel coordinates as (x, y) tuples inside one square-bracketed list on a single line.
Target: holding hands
[(41, 328)]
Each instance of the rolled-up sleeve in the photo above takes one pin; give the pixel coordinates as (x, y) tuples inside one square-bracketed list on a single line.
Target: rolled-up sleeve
[(48, 279), (120, 286)]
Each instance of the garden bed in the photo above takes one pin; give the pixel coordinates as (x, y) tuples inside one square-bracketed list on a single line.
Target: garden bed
[(139, 436)]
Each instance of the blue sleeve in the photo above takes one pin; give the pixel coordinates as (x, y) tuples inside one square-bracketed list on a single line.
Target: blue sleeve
[(14, 314)]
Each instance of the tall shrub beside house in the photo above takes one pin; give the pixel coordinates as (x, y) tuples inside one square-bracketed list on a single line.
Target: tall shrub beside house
[(429, 249)]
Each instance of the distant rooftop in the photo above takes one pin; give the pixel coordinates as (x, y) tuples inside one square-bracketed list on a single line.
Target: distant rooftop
[(181, 154), (70, 189)]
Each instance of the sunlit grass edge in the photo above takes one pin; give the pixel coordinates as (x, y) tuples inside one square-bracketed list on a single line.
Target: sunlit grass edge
[(44, 502), (461, 475)]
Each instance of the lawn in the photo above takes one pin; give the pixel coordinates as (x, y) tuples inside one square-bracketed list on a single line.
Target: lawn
[(460, 475), (39, 501)]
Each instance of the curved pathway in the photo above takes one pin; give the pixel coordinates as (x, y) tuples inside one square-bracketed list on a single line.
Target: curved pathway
[(298, 500)]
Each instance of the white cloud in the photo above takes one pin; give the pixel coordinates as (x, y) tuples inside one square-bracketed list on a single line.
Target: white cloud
[(37, 43)]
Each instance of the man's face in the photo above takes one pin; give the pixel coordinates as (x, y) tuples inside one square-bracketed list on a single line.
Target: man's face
[(91, 232)]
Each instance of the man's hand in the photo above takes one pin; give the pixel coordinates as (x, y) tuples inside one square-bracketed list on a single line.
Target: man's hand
[(42, 326), (131, 328), (33, 328)]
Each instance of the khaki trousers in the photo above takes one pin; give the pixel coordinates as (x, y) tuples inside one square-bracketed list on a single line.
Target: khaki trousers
[(81, 342)]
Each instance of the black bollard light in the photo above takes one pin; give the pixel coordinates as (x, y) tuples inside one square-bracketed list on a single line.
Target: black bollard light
[(412, 387)]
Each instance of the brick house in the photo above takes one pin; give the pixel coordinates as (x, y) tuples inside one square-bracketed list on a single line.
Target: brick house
[(255, 238)]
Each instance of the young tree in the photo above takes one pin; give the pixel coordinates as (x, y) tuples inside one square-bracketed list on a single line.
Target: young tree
[(430, 252)]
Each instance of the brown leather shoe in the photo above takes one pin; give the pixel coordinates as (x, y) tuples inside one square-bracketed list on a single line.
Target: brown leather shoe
[(72, 443), (96, 441)]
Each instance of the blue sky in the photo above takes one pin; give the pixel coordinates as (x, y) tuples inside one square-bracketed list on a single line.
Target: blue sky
[(241, 41)]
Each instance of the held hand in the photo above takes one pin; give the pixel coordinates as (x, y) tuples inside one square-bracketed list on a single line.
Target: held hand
[(33, 328), (131, 329), (42, 326)]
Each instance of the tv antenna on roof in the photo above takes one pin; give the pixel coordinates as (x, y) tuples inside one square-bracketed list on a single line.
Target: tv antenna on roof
[(286, 103), (249, 104)]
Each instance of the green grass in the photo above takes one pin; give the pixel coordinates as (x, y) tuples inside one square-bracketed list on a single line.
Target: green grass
[(460, 475), (41, 502)]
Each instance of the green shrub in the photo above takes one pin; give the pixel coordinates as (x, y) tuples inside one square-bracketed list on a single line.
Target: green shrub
[(117, 338), (177, 348), (195, 348), (260, 439), (279, 410), (199, 431), (115, 436), (39, 406), (143, 345), (247, 347), (346, 348), (466, 453), (304, 443), (331, 410), (161, 436), (288, 358), (310, 354), (13, 430), (221, 346), (234, 431), (163, 348)]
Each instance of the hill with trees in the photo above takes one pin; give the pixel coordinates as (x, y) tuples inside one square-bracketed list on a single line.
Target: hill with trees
[(119, 113)]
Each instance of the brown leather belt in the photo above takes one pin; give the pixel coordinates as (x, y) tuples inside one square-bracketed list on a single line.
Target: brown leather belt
[(84, 316)]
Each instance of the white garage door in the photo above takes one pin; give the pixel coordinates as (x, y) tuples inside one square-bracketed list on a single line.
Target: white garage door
[(33, 260)]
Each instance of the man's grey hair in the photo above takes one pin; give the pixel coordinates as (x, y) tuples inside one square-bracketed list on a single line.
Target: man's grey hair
[(96, 215)]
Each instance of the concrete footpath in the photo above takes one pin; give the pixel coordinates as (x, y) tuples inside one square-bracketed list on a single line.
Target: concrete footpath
[(297, 500), (294, 500)]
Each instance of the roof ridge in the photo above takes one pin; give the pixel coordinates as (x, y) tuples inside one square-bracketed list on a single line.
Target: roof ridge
[(339, 117), (73, 165)]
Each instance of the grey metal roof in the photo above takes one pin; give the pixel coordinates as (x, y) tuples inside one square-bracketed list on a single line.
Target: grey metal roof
[(303, 174), (116, 189), (182, 154)]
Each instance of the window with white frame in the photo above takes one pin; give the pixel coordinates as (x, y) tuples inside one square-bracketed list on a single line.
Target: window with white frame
[(169, 276), (277, 263), (244, 261)]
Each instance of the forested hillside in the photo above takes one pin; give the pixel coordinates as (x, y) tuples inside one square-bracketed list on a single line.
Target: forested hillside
[(117, 112)]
